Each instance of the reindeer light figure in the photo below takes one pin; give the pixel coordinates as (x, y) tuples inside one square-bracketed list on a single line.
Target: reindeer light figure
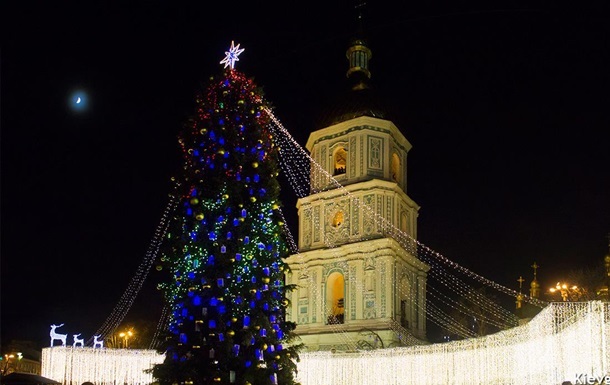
[(57, 336), (78, 341), (97, 343)]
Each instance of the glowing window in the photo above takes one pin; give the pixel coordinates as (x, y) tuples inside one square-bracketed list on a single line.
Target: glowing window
[(335, 299), (395, 167), (337, 219), (340, 161)]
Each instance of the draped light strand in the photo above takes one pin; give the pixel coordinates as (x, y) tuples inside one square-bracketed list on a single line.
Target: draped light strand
[(162, 326), (123, 306), (404, 239)]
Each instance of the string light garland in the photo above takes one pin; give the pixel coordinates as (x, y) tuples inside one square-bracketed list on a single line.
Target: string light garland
[(75, 366), (564, 342), (547, 350), (135, 285), (299, 171)]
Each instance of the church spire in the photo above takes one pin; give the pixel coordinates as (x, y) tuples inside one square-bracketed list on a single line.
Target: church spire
[(358, 55), (535, 286)]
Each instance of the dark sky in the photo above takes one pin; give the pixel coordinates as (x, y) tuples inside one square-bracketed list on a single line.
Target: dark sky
[(506, 105)]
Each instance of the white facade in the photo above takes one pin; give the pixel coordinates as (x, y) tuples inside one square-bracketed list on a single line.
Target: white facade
[(353, 277)]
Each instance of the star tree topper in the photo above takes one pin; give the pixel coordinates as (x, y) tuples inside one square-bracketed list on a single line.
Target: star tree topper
[(232, 55)]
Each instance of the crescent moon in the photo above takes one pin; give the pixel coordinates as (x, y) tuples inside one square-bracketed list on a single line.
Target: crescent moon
[(78, 100)]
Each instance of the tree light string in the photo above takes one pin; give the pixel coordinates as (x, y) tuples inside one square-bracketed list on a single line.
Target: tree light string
[(162, 326), (405, 239), (392, 230), (438, 316), (296, 174), (123, 306), (294, 167)]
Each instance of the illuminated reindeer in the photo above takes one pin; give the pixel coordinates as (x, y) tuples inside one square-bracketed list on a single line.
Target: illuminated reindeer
[(78, 341), (97, 343), (57, 336)]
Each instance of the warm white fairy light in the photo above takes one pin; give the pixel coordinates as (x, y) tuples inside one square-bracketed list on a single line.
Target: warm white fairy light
[(560, 343), (75, 366), (299, 172), (162, 326), (122, 307)]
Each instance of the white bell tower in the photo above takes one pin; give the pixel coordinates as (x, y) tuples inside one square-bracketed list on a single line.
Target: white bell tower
[(359, 281)]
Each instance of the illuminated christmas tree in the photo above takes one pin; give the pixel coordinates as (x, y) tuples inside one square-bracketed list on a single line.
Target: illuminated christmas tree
[(223, 253)]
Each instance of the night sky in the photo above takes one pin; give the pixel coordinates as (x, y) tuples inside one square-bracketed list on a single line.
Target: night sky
[(506, 106)]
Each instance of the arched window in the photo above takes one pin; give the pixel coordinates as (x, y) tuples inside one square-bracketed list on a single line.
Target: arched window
[(395, 168), (340, 161), (337, 219), (405, 299), (335, 299)]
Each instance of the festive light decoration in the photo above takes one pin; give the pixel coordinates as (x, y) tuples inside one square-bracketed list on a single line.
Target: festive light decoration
[(75, 366), (564, 341), (232, 55), (222, 257), (122, 307)]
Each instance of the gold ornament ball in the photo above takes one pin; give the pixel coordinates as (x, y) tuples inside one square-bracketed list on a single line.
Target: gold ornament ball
[(252, 199), (199, 217), (277, 357), (234, 319), (255, 164), (194, 201), (159, 267), (231, 333), (266, 279)]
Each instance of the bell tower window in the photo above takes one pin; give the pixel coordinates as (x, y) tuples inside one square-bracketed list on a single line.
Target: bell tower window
[(340, 161), (395, 168), (335, 299), (337, 219)]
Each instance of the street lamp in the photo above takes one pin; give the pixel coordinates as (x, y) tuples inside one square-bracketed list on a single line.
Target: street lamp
[(6, 366), (567, 292), (125, 336)]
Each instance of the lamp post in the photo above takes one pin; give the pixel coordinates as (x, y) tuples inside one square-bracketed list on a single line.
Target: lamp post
[(6, 366), (125, 336), (567, 292), (7, 359)]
